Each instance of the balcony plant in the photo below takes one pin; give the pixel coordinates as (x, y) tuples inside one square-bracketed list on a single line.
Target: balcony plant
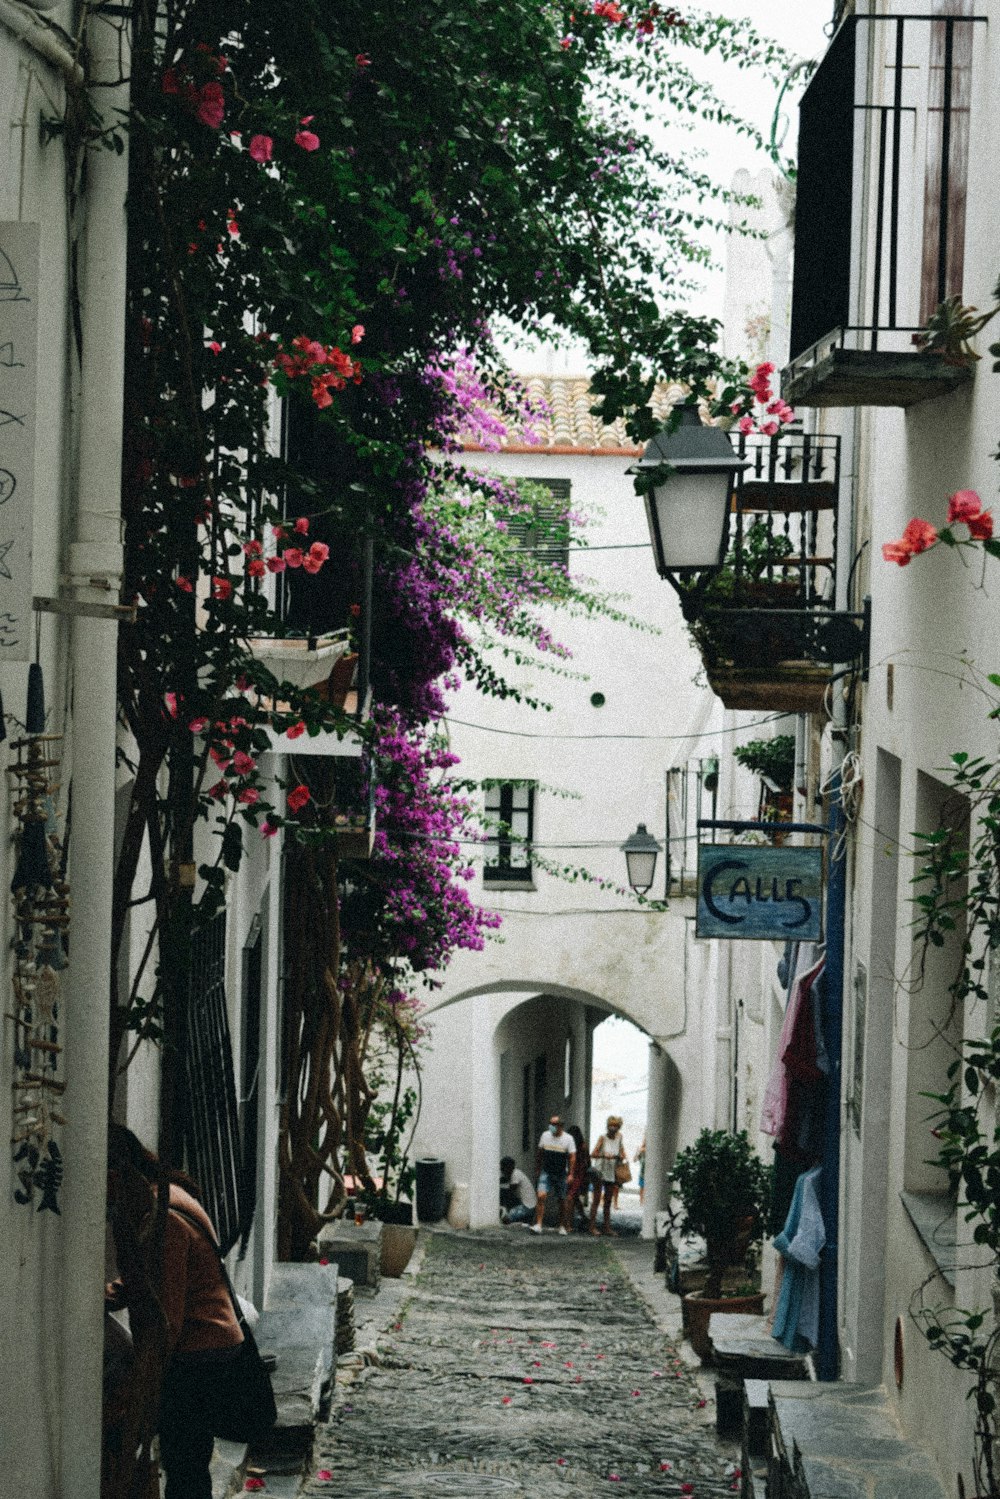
[(772, 759), (725, 1192)]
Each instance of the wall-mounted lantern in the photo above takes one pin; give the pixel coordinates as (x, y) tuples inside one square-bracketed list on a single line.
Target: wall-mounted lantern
[(640, 850)]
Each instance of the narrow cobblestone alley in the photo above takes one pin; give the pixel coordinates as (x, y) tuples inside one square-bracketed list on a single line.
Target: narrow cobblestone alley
[(521, 1365)]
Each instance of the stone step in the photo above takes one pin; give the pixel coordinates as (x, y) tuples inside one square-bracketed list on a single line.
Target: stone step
[(841, 1439)]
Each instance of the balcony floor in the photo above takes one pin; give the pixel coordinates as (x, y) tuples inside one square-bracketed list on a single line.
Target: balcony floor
[(864, 377)]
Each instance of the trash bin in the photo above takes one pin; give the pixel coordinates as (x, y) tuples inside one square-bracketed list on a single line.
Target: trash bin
[(430, 1189)]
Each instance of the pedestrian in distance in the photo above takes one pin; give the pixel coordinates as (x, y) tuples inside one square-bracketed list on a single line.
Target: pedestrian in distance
[(518, 1199), (554, 1164), (640, 1160), (605, 1156), (579, 1181)]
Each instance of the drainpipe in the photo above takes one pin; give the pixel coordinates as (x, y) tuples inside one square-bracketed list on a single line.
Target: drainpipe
[(95, 567)]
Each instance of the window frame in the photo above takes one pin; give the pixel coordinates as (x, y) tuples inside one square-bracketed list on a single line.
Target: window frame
[(501, 873)]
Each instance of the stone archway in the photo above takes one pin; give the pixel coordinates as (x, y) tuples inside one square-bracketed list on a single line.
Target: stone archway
[(470, 1086)]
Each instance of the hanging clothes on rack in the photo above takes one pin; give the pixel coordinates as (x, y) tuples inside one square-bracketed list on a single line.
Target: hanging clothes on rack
[(796, 1314), (793, 1035)]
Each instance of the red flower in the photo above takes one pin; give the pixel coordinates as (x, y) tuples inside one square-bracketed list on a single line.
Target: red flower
[(256, 567), (222, 589), (169, 83), (896, 551), (307, 139), (184, 584), (302, 525), (293, 556), (261, 147), (243, 763), (198, 725), (276, 564), (296, 730), (253, 547), (214, 347), (355, 611), (211, 106), (919, 535), (981, 526), (964, 505), (249, 795), (357, 333), (363, 60), (219, 790), (297, 798)]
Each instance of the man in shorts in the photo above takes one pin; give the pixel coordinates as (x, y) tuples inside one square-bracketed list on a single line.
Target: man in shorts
[(556, 1153)]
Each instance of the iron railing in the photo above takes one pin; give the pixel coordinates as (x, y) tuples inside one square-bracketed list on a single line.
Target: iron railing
[(919, 142), (212, 1135)]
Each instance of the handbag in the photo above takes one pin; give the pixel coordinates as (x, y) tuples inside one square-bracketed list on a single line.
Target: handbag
[(623, 1172), (237, 1395)]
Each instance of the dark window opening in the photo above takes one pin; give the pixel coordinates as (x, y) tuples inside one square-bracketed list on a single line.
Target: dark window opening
[(526, 1108), (250, 1071), (510, 811)]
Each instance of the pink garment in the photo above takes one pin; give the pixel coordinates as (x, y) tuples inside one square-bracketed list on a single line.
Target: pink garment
[(774, 1110)]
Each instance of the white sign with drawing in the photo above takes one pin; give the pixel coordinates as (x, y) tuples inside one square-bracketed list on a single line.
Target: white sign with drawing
[(18, 378)]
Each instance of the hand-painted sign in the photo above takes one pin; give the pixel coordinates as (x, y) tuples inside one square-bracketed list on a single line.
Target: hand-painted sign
[(759, 893), (18, 360)]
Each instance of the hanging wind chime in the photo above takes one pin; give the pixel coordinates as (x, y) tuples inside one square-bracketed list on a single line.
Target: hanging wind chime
[(41, 918)]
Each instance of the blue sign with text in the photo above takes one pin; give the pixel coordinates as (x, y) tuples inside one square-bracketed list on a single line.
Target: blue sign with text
[(760, 893)]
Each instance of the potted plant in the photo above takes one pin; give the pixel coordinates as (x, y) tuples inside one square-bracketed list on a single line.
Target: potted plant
[(724, 1190), (391, 1202)]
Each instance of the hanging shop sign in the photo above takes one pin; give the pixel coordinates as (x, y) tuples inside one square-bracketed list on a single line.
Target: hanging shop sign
[(759, 893), (19, 249)]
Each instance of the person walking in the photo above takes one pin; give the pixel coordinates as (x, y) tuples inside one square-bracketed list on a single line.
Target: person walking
[(605, 1156), (579, 1180), (554, 1164), (202, 1327)]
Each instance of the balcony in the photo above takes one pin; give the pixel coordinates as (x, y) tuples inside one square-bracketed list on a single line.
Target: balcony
[(880, 211), (765, 624)]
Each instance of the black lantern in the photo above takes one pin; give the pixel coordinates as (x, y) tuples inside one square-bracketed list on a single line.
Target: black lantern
[(640, 852), (688, 510)]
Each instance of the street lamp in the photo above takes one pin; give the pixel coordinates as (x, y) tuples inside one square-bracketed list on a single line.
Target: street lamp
[(688, 507), (640, 850)]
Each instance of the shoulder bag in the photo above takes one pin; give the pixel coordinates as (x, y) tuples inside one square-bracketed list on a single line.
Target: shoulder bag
[(623, 1171), (239, 1398)]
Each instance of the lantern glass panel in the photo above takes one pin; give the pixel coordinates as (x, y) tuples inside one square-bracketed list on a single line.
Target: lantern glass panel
[(641, 868), (691, 511)]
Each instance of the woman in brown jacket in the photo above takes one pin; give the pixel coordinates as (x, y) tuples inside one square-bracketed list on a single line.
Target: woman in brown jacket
[(202, 1328)]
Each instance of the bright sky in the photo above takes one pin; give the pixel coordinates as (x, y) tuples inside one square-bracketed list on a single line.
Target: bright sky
[(799, 26)]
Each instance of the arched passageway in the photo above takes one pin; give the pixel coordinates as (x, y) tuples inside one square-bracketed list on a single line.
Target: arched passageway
[(502, 1059)]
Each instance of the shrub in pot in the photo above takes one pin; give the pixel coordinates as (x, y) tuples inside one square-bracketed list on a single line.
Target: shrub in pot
[(725, 1190)]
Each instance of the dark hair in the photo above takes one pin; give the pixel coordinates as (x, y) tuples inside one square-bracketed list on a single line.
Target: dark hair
[(506, 1165), (126, 1149)]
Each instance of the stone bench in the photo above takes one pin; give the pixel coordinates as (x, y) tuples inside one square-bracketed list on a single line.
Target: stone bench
[(356, 1248)]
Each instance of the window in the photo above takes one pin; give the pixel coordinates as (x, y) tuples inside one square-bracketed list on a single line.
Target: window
[(568, 1070), (545, 531), (510, 811)]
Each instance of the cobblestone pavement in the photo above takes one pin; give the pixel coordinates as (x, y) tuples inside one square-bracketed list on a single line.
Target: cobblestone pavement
[(521, 1366)]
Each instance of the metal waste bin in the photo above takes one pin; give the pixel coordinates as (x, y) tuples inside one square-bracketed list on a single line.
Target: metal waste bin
[(430, 1189)]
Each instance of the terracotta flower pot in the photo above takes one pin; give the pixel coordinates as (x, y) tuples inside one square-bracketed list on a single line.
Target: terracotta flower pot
[(698, 1309)]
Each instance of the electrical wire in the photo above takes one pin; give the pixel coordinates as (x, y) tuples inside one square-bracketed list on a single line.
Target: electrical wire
[(528, 734)]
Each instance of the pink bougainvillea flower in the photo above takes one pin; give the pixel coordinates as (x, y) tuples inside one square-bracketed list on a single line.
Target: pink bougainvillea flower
[(198, 725), (363, 60), (307, 119), (297, 798), (296, 730), (261, 148), (527, 1379), (276, 564), (243, 763), (249, 795), (219, 790), (964, 505), (214, 347), (636, 1393), (169, 83), (702, 1404), (769, 428), (253, 1484), (293, 556), (184, 584), (578, 1379), (568, 1364), (506, 1400), (981, 526), (256, 567), (657, 1373), (311, 564), (687, 1488), (222, 589), (268, 830), (307, 139), (211, 106), (919, 535), (324, 1475), (613, 1478), (745, 425), (319, 551), (357, 333), (253, 547), (561, 1462), (170, 698), (302, 525), (566, 42), (665, 1466)]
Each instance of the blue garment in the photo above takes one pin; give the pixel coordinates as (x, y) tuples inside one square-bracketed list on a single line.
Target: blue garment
[(796, 1317)]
